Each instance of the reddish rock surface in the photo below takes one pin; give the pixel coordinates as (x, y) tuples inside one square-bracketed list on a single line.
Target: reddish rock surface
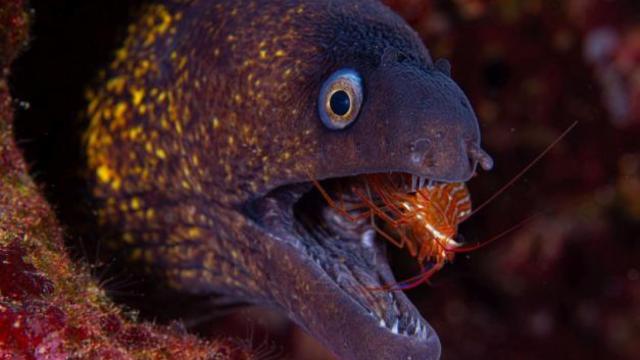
[(51, 308)]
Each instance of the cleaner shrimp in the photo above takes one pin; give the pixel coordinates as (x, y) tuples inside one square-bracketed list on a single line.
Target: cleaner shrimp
[(421, 216)]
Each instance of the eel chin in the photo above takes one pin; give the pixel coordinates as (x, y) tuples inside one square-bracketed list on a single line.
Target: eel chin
[(337, 268)]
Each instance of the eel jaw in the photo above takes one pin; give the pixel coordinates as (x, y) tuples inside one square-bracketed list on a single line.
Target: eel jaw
[(336, 268)]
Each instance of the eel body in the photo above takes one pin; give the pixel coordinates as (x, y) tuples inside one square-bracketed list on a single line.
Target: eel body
[(206, 132)]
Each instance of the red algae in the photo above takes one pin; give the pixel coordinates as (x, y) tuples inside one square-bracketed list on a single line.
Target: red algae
[(20, 280), (32, 330)]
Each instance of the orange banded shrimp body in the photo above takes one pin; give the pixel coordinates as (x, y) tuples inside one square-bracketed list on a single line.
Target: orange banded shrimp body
[(423, 220)]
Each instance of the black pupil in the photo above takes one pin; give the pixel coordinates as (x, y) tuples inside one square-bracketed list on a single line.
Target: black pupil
[(340, 103)]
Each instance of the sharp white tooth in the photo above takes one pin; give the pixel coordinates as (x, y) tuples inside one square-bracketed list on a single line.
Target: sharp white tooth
[(422, 182), (394, 329), (367, 238), (383, 323), (413, 182)]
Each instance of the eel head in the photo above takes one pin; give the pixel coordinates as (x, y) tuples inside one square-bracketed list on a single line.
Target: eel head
[(313, 90)]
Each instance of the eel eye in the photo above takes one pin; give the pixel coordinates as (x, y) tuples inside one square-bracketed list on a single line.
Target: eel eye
[(340, 99)]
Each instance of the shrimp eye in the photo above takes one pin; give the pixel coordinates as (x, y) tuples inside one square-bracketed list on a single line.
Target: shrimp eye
[(340, 99)]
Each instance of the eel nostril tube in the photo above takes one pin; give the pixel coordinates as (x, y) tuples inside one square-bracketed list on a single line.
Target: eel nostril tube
[(482, 157)]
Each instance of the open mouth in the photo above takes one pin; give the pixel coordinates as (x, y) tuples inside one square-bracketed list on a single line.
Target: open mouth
[(346, 249)]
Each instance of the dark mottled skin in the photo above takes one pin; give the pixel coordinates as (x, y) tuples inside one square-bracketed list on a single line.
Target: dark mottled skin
[(211, 104)]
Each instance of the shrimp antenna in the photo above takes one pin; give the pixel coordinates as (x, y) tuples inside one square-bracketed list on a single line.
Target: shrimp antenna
[(526, 168), (481, 244)]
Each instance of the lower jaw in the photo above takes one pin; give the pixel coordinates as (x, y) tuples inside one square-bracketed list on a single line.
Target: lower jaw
[(336, 317)]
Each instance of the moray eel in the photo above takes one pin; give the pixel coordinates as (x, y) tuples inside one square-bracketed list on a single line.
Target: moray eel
[(212, 120)]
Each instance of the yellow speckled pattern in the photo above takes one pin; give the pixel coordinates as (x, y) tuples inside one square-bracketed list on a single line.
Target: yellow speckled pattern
[(146, 108), (208, 105), (168, 125)]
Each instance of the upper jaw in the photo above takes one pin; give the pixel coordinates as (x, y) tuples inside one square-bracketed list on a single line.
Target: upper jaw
[(333, 280)]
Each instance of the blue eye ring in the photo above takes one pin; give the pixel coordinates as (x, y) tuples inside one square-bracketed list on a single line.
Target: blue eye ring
[(340, 99)]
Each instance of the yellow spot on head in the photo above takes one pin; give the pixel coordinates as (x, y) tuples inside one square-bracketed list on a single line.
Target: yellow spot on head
[(165, 18), (150, 214), (122, 54), (120, 109), (136, 96), (135, 203), (105, 174), (116, 184), (182, 63), (215, 123), (194, 232), (135, 132), (151, 38), (161, 154), (116, 84), (106, 113)]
